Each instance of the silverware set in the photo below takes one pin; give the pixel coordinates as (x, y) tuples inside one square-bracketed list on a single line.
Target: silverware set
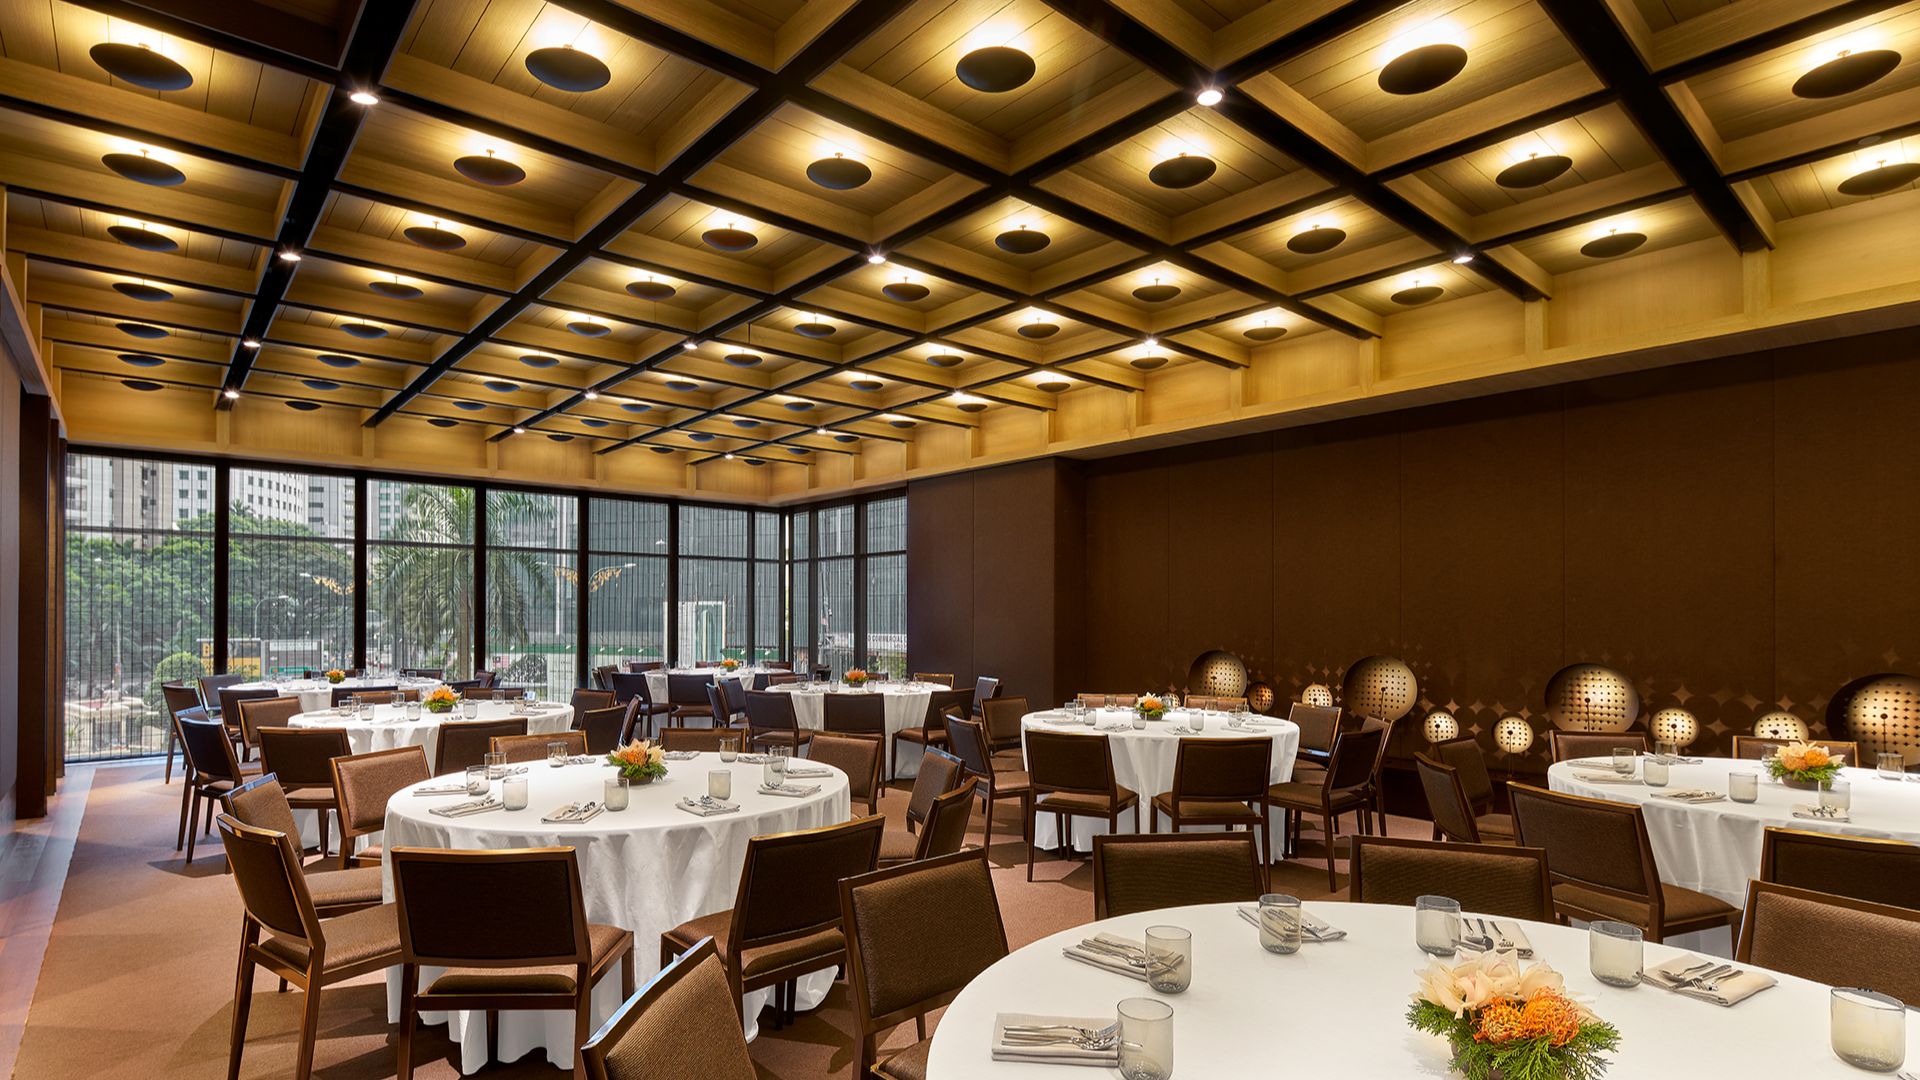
[(1705, 977), (1106, 1038), (1132, 957), (577, 812), (1489, 938)]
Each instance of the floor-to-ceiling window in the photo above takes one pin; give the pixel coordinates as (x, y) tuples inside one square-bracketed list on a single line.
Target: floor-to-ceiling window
[(289, 572), (712, 605), (884, 554), (533, 581), (627, 561), (420, 611), (849, 596)]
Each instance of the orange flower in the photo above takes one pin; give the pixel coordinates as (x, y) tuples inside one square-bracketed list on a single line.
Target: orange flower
[(1552, 1014), (1499, 1022), (442, 693)]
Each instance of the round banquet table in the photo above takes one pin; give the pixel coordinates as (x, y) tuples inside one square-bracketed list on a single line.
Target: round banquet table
[(1143, 758), (647, 869), (317, 694), (905, 705), (657, 678), (1714, 847), (1339, 1008), (390, 727)]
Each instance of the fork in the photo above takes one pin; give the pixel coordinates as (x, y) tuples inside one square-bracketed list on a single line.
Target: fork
[(1039, 1030), (1081, 1042), (1711, 985)]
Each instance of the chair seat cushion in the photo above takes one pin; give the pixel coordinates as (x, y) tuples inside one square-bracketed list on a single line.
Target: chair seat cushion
[(312, 798), (336, 888), (607, 943), (1681, 905), (897, 845), (369, 934), (1208, 809), (1306, 796), (908, 1064), (1495, 826), (1011, 782), (922, 735), (1080, 803), (822, 944)]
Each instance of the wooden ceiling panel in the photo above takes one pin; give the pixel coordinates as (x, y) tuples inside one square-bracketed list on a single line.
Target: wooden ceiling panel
[(1756, 96), (1669, 224), (1813, 187), (1600, 144)]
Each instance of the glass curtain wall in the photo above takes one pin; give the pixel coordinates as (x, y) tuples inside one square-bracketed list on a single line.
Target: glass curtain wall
[(849, 598), (420, 611), (627, 557), (289, 573), (533, 579)]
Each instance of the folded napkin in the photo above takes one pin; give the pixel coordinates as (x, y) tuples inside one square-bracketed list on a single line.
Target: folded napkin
[(510, 770), (1498, 929), (1691, 795), (682, 755), (443, 789), (1669, 759), (1312, 927), (791, 791), (1116, 727), (474, 806), (1182, 730), (581, 759), (574, 813), (1728, 990), (756, 759), (1603, 778), (1111, 963), (1815, 813), (807, 772), (1062, 1053), (709, 808)]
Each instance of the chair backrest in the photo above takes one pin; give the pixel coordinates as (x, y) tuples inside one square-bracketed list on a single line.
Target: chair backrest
[(483, 679), (1147, 871), (968, 739), (694, 738), (1592, 842), (940, 772), (645, 665), (524, 748), (1318, 725), (1568, 745), (856, 714), (789, 884), (856, 755), (945, 830), (770, 711), (1470, 762), (607, 729), (378, 695), (1755, 748), (735, 693), (985, 688), (179, 697), (262, 804), (230, 700), (1082, 764), (1217, 704), (1110, 701), (1487, 879), (780, 678), (363, 783), (943, 678), (209, 753), (273, 888), (467, 742), (1236, 769), (627, 685), (466, 686), (510, 907), (1356, 756), (1832, 939), (687, 689), (302, 757), (717, 703), (423, 673), (1002, 716), (255, 713), (584, 699), (1447, 801), (1862, 868), (680, 1026), (601, 676), (210, 686), (896, 970), (942, 704)]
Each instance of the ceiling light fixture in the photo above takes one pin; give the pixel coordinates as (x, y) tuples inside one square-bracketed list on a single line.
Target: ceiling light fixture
[(591, 395), (1156, 292), (651, 289), (821, 431), (142, 238), (1150, 362), (141, 360), (1182, 171), (442, 422), (320, 384), (143, 168), (799, 406), (968, 405), (1053, 386), (1266, 331), (729, 238), (1881, 179), (141, 290), (363, 330), (141, 66), (434, 237), (519, 430), (866, 385), (1150, 341), (489, 170), (539, 360), (1426, 65), (729, 456), (1612, 245), (230, 395), (814, 327), (245, 343), (501, 386), (362, 97), (1846, 73), (946, 360), (288, 255), (338, 361), (396, 289), (145, 385), (1417, 294), (685, 386), (1038, 328), (839, 172), (905, 291), (1209, 97), (1536, 170), (995, 69), (564, 67), (1021, 240), (1463, 258), (150, 333), (743, 359), (588, 326), (303, 406), (689, 345), (1316, 240)]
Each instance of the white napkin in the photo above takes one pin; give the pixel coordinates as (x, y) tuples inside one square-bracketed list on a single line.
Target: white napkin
[(1692, 796), (444, 789), (1603, 778), (756, 759), (1110, 963), (1064, 1053), (807, 772), (1815, 813), (708, 809), (573, 814), (475, 806), (1731, 990), (1312, 927), (791, 791), (681, 755), (1495, 928)]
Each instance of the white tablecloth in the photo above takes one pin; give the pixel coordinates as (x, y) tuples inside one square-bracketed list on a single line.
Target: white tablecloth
[(317, 694), (390, 727), (1338, 1009), (906, 706), (1143, 760), (1715, 847), (647, 869)]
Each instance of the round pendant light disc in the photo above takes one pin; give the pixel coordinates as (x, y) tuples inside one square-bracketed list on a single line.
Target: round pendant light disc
[(1881, 180), (1054, 386), (1420, 70), (535, 360), (814, 329), (302, 406), (743, 359), (636, 406), (1182, 172), (501, 386), (147, 385), (661, 449), (651, 290), (435, 238), (1612, 245), (972, 406), (145, 170), (905, 291), (946, 359), (140, 360), (590, 329), (846, 438), (469, 406), (143, 239), (1417, 295), (700, 436), (746, 425), (561, 438), (140, 66), (1316, 241), (398, 290), (594, 422), (682, 385), (1148, 363), (799, 406), (839, 173), (337, 361), (868, 385), (798, 451), (320, 384), (1157, 293), (1845, 74), (902, 424), (1039, 330), (140, 290), (1534, 171), (441, 421), (1265, 333), (489, 170), (1022, 241), (995, 69), (140, 330), (729, 239), (364, 330), (568, 69)]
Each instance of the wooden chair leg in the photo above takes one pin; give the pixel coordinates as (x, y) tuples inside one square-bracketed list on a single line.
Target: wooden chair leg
[(986, 842), (193, 826), (582, 1029), (309, 1028), (1028, 818), (1266, 849), (173, 743), (1327, 819), (242, 999), (186, 796)]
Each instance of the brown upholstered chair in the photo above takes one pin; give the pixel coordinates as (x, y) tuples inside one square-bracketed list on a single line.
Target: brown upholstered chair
[(678, 1027), (375, 695), (1318, 725), (781, 678), (1218, 782), (423, 673), (363, 783), (609, 728), (703, 739), (180, 697), (718, 704), (932, 730), (585, 698), (968, 740), (1832, 939), (1858, 867), (1469, 762), (1603, 867), (895, 971), (230, 700), (1486, 879), (283, 932), (1072, 776), (1755, 748), (1346, 785), (599, 676), (943, 833), (687, 697), (510, 928), (1146, 872), (985, 688), (632, 686), (463, 743), (254, 713), (1109, 701), (785, 919), (940, 772), (303, 760), (210, 687), (262, 804), (1568, 745), (858, 757), (943, 678), (854, 714), (1206, 703), (771, 722), (1451, 807), (1001, 716), (521, 749), (212, 771)]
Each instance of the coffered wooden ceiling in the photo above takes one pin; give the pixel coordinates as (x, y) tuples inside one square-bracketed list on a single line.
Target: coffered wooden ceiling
[(781, 231)]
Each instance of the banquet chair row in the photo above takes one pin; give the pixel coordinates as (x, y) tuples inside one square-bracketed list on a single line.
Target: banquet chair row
[(1860, 943), (1868, 868), (522, 749), (1756, 748), (1460, 796)]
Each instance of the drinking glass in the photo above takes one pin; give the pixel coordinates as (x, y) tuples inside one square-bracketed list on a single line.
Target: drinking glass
[(413, 710), (1146, 1039), (499, 696), (616, 793), (1654, 772), (513, 792), (477, 780), (729, 747), (1868, 1029), (362, 710), (1623, 760), (720, 783), (1743, 785), (1436, 924), (1614, 952), (396, 698), (1169, 959), (1139, 720), (1197, 720), (1280, 923), (496, 764), (1837, 796), (1892, 766), (469, 708), (556, 754), (776, 770)]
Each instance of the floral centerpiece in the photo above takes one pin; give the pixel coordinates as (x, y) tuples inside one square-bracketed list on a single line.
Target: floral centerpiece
[(1150, 706), (857, 676), (335, 675), (1804, 765), (639, 761), (1504, 1021), (440, 700), (730, 664)]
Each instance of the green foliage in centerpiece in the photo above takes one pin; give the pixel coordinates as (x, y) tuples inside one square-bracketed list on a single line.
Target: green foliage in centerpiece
[(1502, 1020)]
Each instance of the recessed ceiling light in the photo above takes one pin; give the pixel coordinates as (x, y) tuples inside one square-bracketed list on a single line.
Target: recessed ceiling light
[(1538, 169), (303, 406), (362, 97), (140, 66), (876, 259), (1612, 245), (995, 69), (1846, 73), (1149, 341), (814, 327), (338, 361), (1417, 294), (729, 238), (946, 359), (1039, 328), (689, 345), (1149, 362), (396, 289), (650, 289), (589, 327), (821, 431), (142, 238), (519, 431), (1316, 239), (1156, 292), (441, 421), (501, 386), (905, 291), (1021, 240), (868, 385), (1423, 68), (564, 67), (1264, 332), (1463, 258), (141, 360), (1182, 171), (489, 170), (434, 237), (743, 359), (538, 360), (1881, 179), (140, 290), (591, 395), (728, 456), (839, 173), (144, 169), (1209, 97), (289, 256), (145, 385), (152, 333), (363, 330), (230, 395), (245, 343)]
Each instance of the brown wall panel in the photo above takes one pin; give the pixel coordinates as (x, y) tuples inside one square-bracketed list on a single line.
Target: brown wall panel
[(10, 621), (940, 570), (1127, 645)]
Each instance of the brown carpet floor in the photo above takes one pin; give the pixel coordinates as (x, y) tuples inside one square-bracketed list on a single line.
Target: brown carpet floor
[(137, 983)]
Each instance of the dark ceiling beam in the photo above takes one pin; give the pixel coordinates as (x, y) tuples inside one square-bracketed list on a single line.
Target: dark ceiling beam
[(283, 42), (107, 125), (634, 23), (1786, 33), (1498, 134), (1604, 45), (1821, 153), (375, 40)]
